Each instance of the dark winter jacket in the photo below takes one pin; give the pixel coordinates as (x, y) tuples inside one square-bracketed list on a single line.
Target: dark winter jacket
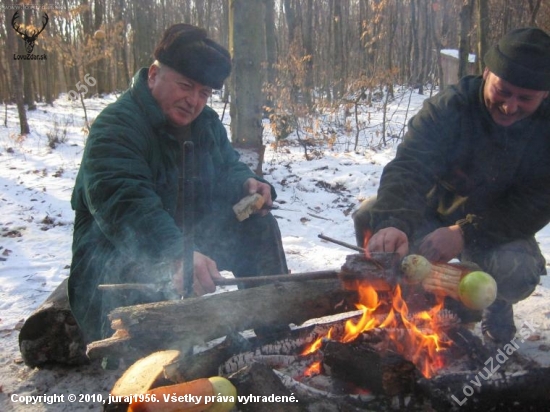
[(126, 191), (455, 163)]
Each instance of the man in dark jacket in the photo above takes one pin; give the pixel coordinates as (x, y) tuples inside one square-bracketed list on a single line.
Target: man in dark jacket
[(128, 193), (471, 179)]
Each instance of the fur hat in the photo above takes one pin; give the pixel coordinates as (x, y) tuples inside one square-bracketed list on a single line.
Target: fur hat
[(522, 57), (188, 50)]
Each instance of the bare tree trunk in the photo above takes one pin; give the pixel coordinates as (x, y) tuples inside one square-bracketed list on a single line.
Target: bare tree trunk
[(414, 47), (119, 17), (101, 65), (248, 48), (309, 53), (338, 50), (427, 46), (28, 92), (17, 86), (534, 6), (464, 39), (482, 30), (145, 36), (271, 48)]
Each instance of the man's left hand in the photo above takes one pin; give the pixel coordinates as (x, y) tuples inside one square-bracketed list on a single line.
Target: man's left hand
[(252, 186), (442, 244)]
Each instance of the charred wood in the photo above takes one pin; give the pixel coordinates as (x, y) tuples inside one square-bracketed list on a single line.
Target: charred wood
[(379, 372), (527, 390), (381, 273), (206, 363), (257, 383)]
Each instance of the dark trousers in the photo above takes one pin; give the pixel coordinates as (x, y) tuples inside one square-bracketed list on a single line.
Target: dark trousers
[(252, 247), (516, 266)]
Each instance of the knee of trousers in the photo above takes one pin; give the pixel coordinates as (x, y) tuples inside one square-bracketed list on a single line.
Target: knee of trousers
[(516, 267)]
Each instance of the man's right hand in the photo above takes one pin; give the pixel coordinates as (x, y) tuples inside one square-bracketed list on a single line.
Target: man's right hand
[(389, 239), (205, 271)]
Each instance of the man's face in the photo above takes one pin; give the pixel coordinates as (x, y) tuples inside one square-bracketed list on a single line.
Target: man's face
[(180, 98), (507, 103)]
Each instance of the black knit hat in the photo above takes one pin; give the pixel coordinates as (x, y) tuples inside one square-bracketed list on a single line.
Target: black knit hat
[(189, 51), (522, 57)]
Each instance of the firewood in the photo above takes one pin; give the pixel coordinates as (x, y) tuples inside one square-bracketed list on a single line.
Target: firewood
[(248, 205), (256, 382), (51, 335), (184, 323), (206, 363), (386, 373), (485, 391), (380, 272)]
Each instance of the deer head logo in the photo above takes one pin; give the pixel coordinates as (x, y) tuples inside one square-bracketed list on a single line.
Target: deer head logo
[(29, 36)]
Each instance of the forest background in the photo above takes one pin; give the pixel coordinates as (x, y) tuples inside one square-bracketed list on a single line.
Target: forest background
[(292, 58), (329, 87)]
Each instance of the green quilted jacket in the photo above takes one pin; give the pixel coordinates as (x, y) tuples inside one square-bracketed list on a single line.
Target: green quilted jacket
[(126, 192)]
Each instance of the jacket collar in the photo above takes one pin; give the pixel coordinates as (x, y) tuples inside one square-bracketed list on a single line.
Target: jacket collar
[(139, 89)]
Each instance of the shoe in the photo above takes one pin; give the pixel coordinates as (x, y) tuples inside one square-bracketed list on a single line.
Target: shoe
[(497, 323)]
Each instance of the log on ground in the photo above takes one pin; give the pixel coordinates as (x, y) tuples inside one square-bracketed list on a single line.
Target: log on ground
[(51, 335), (184, 323)]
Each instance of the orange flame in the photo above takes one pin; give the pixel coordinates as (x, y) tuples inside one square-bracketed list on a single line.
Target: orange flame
[(416, 339), (315, 346), (367, 234), (313, 369), (368, 299)]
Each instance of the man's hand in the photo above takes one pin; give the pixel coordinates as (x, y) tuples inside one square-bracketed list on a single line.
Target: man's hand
[(252, 186), (205, 271), (389, 239), (442, 244)]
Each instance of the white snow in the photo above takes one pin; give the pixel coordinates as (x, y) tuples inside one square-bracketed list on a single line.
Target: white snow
[(36, 224)]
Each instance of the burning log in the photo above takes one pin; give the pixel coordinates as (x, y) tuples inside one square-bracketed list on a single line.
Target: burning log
[(377, 372), (184, 323), (51, 335), (359, 269)]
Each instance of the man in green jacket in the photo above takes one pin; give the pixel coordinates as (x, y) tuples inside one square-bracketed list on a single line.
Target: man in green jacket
[(471, 180), (128, 194)]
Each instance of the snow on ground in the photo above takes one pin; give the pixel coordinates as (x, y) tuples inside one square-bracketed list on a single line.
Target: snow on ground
[(315, 196)]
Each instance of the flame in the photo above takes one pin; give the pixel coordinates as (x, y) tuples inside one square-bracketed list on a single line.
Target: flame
[(313, 369), (315, 346), (367, 234), (415, 338), (368, 299)]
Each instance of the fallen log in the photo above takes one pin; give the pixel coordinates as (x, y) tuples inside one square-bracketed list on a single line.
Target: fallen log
[(184, 323), (51, 335)]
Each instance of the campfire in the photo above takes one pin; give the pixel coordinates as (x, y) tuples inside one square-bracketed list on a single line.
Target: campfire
[(383, 336), (417, 337), (372, 342)]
